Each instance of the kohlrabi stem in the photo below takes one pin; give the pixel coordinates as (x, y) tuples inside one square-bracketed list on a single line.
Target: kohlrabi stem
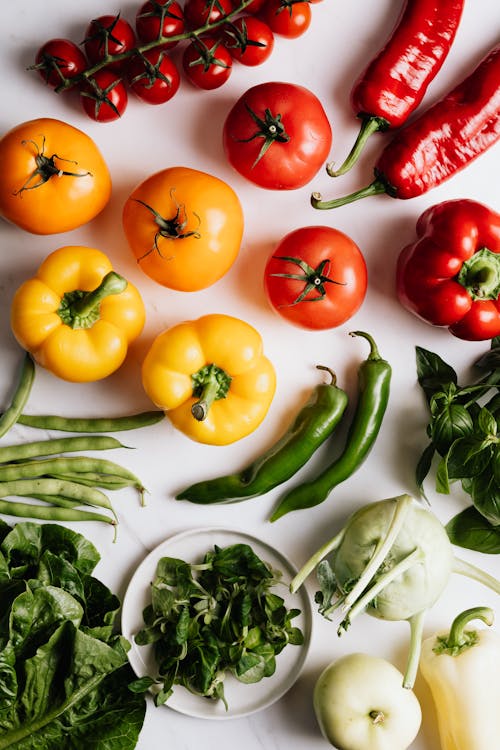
[(402, 506), (471, 571), (416, 631), (313, 561)]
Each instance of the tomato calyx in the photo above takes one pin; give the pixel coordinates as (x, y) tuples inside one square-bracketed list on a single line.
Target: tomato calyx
[(210, 383), (238, 37), (152, 71), (101, 95), (160, 11), (171, 229), (103, 34), (314, 278), (80, 309), (207, 56), (288, 5), (271, 129), (46, 167)]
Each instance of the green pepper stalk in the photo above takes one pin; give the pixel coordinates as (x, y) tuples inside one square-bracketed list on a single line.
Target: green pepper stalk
[(374, 383), (314, 423)]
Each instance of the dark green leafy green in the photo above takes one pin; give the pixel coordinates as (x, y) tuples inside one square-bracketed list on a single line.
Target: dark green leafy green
[(471, 530), (217, 616), (64, 670)]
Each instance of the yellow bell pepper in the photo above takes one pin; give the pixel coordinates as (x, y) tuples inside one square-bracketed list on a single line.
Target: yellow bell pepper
[(211, 378), (76, 316), (462, 669)]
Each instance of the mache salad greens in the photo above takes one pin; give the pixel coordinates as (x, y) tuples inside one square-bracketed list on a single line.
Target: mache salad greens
[(64, 671)]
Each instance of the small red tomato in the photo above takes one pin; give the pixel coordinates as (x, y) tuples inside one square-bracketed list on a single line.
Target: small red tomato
[(249, 40), (108, 35), (289, 18), (316, 278), (200, 12), (58, 60), (207, 63), (153, 76), (254, 6), (104, 97), (159, 18)]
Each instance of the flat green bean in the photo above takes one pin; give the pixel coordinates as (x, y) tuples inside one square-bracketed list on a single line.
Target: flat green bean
[(91, 424), (40, 448), (93, 479), (50, 513), (47, 486), (61, 502), (73, 465), (23, 389)]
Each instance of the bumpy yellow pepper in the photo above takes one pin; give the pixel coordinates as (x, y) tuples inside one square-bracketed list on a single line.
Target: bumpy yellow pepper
[(76, 316), (462, 669), (211, 378)]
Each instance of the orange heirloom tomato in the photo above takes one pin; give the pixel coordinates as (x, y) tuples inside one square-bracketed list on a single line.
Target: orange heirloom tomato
[(53, 177), (211, 378), (184, 227), (77, 316)]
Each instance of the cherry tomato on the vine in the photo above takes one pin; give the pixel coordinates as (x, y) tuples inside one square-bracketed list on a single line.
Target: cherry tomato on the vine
[(316, 278), (104, 97), (58, 60), (159, 18), (153, 76), (108, 35), (207, 63), (289, 18), (200, 12), (277, 135), (253, 7), (249, 40)]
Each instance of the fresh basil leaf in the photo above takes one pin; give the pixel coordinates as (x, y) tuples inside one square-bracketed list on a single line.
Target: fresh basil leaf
[(433, 372), (486, 422), (491, 359), (470, 530), (453, 422), (424, 466), (468, 457), (485, 493)]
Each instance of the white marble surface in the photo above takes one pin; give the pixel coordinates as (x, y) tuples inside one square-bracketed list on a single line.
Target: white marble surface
[(187, 131)]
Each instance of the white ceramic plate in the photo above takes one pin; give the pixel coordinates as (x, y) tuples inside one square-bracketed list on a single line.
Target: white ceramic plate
[(242, 699)]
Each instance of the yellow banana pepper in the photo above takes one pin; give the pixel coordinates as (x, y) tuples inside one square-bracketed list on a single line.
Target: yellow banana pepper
[(211, 378), (462, 669), (76, 316)]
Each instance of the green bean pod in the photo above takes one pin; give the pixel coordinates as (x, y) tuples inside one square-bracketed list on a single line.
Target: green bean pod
[(68, 465), (374, 377), (91, 424), (21, 394), (61, 502), (40, 448), (46, 486), (49, 513), (313, 424), (93, 479)]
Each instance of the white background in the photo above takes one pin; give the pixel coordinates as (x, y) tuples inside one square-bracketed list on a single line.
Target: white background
[(187, 132)]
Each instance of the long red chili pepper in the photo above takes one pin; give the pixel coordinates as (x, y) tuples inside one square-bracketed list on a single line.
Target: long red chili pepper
[(439, 143), (395, 81)]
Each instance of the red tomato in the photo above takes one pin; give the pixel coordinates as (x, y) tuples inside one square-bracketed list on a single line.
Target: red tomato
[(253, 7), (159, 18), (58, 60), (200, 12), (153, 76), (108, 35), (207, 63), (104, 97), (316, 278), (249, 40), (290, 18), (277, 135)]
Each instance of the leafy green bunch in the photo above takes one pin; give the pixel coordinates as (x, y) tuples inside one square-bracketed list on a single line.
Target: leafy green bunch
[(215, 617), (64, 671), (464, 433)]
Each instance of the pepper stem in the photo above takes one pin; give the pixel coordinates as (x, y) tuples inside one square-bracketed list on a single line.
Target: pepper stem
[(81, 309), (458, 637), (374, 353), (369, 126), (374, 188), (210, 383)]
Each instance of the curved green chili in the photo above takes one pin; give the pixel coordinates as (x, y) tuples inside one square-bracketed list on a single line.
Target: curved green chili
[(311, 427), (91, 424), (374, 377), (23, 389)]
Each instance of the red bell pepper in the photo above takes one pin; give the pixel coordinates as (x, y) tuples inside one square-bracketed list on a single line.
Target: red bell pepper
[(450, 276)]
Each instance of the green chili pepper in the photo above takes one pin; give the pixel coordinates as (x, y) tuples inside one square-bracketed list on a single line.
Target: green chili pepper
[(314, 423), (374, 377)]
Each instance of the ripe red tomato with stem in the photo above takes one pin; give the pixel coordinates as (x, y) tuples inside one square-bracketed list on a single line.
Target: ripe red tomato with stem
[(253, 7), (207, 63), (108, 35), (104, 96), (277, 135), (153, 76), (159, 18), (249, 40), (288, 18), (58, 60), (200, 12), (316, 278)]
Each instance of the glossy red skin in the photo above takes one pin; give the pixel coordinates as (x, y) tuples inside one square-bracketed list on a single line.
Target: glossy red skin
[(159, 89), (117, 95), (395, 81), (122, 32), (284, 166), (346, 266), (290, 20), (200, 12), (254, 6), (448, 234), (66, 55), (256, 31), (149, 27), (215, 75)]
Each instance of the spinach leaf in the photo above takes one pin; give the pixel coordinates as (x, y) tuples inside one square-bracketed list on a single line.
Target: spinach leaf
[(471, 530)]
